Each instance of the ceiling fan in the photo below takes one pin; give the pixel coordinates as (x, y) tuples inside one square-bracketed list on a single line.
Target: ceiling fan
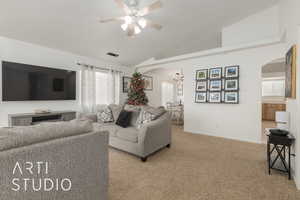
[(134, 20)]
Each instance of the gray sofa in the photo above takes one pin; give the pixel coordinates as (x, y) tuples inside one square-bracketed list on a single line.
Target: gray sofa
[(140, 140), (68, 153)]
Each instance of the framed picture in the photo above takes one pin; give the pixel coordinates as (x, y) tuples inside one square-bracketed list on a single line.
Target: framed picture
[(215, 73), (201, 86), (148, 82), (201, 74), (232, 72), (215, 85), (231, 84), (290, 80), (215, 97), (231, 97), (201, 97), (126, 84)]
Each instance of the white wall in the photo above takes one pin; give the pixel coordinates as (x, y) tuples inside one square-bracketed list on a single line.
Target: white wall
[(261, 26), (16, 51), (154, 96), (289, 21), (242, 121)]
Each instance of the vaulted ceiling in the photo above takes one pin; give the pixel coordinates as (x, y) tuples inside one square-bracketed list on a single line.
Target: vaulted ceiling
[(71, 25)]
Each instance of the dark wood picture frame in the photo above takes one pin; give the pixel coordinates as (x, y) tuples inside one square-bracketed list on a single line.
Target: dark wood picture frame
[(221, 85), (231, 79), (217, 102), (196, 99), (126, 85), (220, 74), (206, 74), (237, 97), (237, 70), (206, 86)]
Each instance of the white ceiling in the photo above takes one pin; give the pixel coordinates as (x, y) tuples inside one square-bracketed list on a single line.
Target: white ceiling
[(71, 25)]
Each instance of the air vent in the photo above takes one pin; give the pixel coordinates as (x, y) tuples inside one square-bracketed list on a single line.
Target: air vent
[(112, 54)]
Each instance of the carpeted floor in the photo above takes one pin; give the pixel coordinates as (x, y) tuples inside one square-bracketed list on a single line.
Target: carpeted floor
[(198, 167)]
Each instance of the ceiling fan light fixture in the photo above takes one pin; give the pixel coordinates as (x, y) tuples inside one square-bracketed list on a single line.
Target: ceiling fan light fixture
[(134, 21), (137, 30), (128, 20), (142, 22), (124, 26)]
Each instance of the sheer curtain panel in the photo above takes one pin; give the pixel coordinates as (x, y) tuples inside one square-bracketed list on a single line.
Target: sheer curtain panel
[(88, 89)]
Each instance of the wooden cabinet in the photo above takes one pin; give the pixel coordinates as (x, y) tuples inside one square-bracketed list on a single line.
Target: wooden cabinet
[(269, 110)]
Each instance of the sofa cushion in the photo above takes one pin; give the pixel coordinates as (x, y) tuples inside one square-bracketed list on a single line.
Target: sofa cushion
[(124, 119), (116, 110), (22, 136), (129, 134), (112, 128)]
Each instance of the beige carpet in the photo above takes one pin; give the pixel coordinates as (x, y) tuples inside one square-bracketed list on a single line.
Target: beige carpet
[(198, 167)]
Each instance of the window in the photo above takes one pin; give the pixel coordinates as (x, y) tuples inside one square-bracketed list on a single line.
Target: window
[(167, 93), (104, 88), (273, 87)]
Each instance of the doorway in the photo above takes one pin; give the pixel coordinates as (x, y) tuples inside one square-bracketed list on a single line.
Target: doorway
[(273, 94)]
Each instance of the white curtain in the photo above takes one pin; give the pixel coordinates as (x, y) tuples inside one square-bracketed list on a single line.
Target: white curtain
[(88, 89), (113, 85), (167, 93)]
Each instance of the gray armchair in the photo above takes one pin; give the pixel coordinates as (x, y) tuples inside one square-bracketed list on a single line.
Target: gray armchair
[(143, 141)]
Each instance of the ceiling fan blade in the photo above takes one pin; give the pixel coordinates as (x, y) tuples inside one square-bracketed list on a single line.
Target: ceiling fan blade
[(130, 31), (148, 9), (123, 6), (111, 19), (153, 25)]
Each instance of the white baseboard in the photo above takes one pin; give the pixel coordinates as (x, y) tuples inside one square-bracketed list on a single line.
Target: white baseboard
[(218, 136)]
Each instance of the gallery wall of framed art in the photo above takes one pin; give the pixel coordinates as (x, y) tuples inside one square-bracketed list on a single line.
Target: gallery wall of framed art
[(218, 85)]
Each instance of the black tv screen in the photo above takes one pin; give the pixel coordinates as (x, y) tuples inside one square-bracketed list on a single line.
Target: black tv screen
[(21, 82)]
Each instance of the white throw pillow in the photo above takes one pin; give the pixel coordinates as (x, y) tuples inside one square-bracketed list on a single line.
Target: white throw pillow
[(105, 115), (149, 114)]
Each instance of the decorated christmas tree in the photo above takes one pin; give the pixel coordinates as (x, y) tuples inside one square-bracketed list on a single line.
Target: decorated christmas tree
[(136, 94)]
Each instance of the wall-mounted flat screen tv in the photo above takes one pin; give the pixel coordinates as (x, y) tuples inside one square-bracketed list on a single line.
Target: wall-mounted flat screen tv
[(22, 82)]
